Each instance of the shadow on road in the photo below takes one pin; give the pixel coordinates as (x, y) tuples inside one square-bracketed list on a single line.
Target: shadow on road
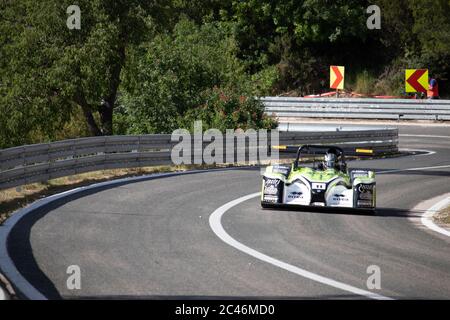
[(379, 212), (19, 244), (21, 252)]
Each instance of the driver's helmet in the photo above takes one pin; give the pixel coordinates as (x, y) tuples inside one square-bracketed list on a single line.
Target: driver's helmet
[(330, 161)]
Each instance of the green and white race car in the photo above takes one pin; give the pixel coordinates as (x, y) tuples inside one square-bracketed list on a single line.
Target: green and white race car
[(327, 183)]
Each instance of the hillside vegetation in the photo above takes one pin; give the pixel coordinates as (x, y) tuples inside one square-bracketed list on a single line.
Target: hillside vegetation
[(139, 66)]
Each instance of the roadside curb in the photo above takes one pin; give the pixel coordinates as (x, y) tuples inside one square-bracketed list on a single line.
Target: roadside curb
[(427, 218), (6, 290), (3, 294), (22, 287), (430, 208)]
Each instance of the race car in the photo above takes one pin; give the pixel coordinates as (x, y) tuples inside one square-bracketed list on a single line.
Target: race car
[(326, 183)]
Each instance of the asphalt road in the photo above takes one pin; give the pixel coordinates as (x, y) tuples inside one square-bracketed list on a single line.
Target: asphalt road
[(152, 239)]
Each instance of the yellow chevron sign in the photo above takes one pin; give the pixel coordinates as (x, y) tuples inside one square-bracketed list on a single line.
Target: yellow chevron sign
[(337, 75), (416, 80)]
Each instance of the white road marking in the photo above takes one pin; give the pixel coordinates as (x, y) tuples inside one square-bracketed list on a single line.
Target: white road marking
[(427, 217), (427, 152), (215, 221), (9, 268), (2, 294), (423, 136), (32, 293), (216, 225), (413, 169)]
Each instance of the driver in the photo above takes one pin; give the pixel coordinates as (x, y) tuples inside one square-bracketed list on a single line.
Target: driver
[(330, 161)]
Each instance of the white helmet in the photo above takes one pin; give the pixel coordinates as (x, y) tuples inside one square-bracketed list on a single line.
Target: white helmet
[(330, 161)]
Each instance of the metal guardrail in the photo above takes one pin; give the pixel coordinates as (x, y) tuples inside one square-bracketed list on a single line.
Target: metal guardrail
[(383, 141), (42, 162), (383, 109)]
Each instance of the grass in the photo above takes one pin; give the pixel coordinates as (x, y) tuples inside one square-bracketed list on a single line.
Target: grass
[(365, 83), (17, 198), (14, 199), (443, 217)]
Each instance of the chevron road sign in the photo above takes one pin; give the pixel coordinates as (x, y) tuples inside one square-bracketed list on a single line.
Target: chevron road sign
[(337, 75), (416, 80)]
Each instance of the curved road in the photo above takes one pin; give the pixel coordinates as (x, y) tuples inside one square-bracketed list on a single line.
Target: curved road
[(152, 238)]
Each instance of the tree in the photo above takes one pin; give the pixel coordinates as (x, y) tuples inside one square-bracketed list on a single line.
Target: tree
[(174, 75), (432, 28), (50, 70), (416, 35), (302, 37)]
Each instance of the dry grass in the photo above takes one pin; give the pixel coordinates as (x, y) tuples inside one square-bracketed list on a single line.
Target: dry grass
[(443, 217), (364, 83), (16, 198)]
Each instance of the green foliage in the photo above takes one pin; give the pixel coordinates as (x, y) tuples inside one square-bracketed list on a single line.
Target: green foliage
[(174, 74), (364, 83), (417, 36), (228, 111), (432, 26), (302, 38), (432, 29), (139, 66), (48, 70)]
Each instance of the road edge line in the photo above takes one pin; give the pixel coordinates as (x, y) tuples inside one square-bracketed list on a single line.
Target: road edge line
[(215, 222), (22, 287), (427, 217)]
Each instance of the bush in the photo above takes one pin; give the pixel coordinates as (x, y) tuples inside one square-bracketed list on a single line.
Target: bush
[(364, 83), (172, 79), (223, 111)]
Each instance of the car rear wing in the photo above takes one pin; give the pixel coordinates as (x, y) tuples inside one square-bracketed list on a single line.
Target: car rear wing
[(348, 150)]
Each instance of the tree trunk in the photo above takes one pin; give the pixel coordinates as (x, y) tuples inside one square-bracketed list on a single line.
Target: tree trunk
[(93, 127), (106, 118), (87, 112), (109, 102)]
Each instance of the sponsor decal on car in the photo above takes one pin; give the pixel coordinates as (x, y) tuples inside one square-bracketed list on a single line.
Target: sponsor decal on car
[(271, 186), (365, 187), (365, 191), (318, 204), (364, 203), (359, 173), (272, 182), (366, 195), (271, 190), (340, 198), (295, 195), (318, 186), (281, 169), (271, 199)]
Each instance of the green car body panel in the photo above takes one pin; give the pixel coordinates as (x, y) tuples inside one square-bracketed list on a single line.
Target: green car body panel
[(306, 186)]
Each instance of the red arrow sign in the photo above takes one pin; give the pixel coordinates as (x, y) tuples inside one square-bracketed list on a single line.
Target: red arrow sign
[(339, 77), (413, 80)]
